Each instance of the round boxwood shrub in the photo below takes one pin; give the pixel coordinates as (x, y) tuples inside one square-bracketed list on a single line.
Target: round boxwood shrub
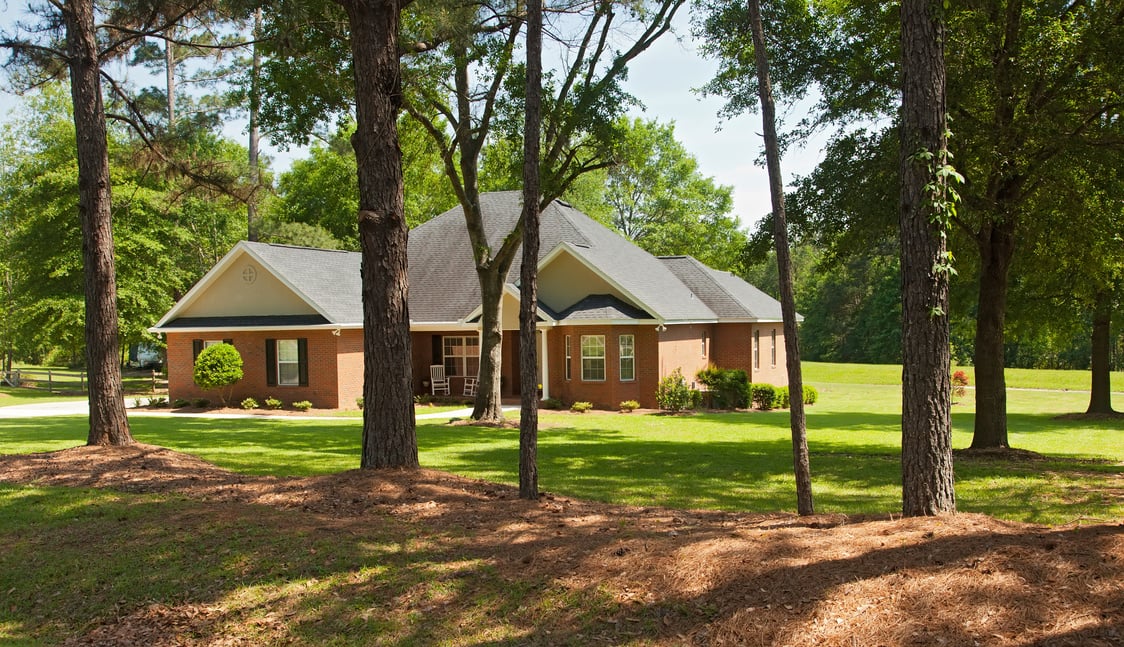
[(218, 367)]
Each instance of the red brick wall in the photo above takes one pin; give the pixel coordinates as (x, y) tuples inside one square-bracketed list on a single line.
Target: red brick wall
[(349, 367), (610, 393), (323, 378), (733, 348)]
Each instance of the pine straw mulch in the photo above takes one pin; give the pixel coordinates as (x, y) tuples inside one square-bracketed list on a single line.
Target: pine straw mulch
[(706, 577)]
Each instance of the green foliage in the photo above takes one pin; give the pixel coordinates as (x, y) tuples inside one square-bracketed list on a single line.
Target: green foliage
[(359, 402), (780, 397), (249, 403), (628, 406), (552, 403), (581, 407), (180, 403), (729, 388), (200, 403), (763, 396), (302, 405), (656, 196), (811, 395), (673, 394), (273, 403), (218, 367)]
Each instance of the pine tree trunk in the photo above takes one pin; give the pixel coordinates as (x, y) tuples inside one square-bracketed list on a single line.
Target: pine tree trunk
[(927, 477), (489, 407), (997, 246), (389, 438), (109, 425), (801, 464), (529, 274), (1100, 396), (255, 134)]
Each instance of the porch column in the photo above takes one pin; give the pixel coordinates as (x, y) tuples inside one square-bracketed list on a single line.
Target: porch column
[(544, 377)]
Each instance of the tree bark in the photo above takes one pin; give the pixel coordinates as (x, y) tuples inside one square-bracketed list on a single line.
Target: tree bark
[(927, 477), (529, 272), (389, 436), (109, 425), (255, 134), (488, 407), (997, 247), (801, 466), (1100, 396)]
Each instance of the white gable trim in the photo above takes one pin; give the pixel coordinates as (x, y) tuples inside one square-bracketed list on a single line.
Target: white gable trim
[(511, 290), (211, 276), (566, 248)]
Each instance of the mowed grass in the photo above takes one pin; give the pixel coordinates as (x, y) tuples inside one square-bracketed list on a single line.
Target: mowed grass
[(1017, 378), (728, 461)]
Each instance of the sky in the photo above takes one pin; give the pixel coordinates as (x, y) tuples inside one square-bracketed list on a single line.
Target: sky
[(664, 79)]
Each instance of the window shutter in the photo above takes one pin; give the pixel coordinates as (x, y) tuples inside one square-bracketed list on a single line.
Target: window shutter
[(302, 360), (196, 348), (228, 341), (271, 362), (438, 350)]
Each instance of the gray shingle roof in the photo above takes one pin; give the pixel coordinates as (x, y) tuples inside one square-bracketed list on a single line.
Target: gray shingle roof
[(727, 295), (328, 279), (444, 287), (601, 307)]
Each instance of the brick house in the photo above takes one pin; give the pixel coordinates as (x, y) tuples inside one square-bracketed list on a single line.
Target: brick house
[(613, 319)]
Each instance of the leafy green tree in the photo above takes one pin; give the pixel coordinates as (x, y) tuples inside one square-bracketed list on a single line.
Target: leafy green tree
[(480, 101), (1030, 82), (218, 367), (655, 195)]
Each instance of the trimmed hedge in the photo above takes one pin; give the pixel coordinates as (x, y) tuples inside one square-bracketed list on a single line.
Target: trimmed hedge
[(729, 388)]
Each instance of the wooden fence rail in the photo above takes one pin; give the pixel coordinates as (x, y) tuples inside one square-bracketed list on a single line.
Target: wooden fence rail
[(53, 380)]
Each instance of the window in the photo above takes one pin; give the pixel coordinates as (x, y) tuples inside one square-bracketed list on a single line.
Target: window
[(703, 351), (773, 349), (286, 362), (593, 358), (627, 344), (461, 356), (197, 345), (569, 358), (756, 349)]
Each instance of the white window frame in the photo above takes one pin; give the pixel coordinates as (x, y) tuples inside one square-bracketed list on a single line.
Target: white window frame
[(630, 356), (589, 362), (773, 349), (295, 362), (459, 364)]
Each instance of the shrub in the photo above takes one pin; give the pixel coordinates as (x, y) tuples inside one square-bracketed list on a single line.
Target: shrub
[(138, 403), (159, 402), (729, 388), (581, 407), (180, 403), (763, 396), (959, 384), (780, 398), (200, 403), (552, 403), (273, 403), (810, 394), (302, 405), (628, 406), (249, 403), (359, 402), (218, 367), (673, 394)]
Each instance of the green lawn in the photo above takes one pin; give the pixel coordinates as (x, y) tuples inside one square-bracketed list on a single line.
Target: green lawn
[(1017, 378), (731, 461)]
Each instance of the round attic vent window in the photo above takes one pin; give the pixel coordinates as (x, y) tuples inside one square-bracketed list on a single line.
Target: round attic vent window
[(249, 275)]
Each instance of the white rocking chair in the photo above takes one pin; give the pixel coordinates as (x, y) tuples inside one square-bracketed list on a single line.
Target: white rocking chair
[(470, 384), (437, 379)]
